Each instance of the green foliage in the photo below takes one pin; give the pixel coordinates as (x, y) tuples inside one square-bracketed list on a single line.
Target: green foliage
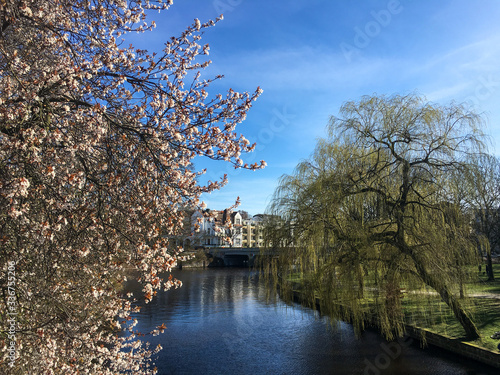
[(376, 210)]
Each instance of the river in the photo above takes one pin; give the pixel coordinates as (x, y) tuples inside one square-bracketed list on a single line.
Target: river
[(220, 322)]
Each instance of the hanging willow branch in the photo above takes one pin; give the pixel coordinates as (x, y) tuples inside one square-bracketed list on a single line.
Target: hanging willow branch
[(375, 214)]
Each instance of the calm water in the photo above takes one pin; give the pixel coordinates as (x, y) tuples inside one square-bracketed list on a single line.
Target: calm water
[(220, 323)]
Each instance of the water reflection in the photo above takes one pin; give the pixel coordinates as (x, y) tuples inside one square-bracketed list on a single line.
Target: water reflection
[(220, 322)]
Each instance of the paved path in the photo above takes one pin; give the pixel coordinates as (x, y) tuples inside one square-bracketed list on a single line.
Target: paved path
[(476, 295), (485, 295)]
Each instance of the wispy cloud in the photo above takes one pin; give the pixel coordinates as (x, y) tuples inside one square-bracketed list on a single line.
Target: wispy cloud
[(292, 51), (303, 68), (457, 73)]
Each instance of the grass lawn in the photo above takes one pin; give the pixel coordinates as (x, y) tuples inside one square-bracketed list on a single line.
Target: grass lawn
[(436, 316), (486, 311), (485, 286)]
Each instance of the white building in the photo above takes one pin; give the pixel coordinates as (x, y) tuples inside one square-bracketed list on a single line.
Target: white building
[(219, 229), (236, 226)]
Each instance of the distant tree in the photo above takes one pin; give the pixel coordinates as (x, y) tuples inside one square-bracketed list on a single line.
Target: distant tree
[(96, 143), (244, 215), (483, 183), (373, 205)]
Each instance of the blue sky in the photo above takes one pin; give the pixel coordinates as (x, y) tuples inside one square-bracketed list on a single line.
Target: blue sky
[(310, 56)]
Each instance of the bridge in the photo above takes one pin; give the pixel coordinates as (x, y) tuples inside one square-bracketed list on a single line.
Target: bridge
[(233, 256)]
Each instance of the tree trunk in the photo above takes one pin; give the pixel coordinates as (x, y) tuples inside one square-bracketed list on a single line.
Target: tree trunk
[(461, 315), (432, 280), (452, 301), (489, 266)]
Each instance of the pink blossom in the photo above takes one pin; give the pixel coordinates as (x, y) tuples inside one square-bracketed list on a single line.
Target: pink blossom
[(98, 140)]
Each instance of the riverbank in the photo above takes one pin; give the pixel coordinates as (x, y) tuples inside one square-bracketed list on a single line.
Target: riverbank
[(194, 259), (426, 337), (242, 329), (454, 345)]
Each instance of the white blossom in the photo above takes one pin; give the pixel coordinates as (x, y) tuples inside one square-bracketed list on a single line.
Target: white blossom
[(99, 138)]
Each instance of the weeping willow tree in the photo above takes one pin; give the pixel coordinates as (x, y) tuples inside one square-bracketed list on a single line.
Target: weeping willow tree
[(376, 209)]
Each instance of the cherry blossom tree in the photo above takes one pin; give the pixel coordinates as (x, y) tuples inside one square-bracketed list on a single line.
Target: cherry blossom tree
[(97, 141)]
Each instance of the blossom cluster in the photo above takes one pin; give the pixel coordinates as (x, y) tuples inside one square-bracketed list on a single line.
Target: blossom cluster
[(96, 149)]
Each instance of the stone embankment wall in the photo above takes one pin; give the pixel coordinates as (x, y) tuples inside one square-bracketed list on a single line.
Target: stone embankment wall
[(456, 346)]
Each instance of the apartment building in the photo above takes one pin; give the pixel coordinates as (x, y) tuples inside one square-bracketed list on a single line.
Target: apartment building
[(252, 232), (238, 229)]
